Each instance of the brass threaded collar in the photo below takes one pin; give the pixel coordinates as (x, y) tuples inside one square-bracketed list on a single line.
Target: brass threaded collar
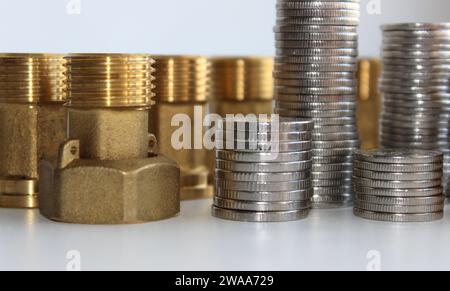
[(110, 80), (181, 79), (242, 78), (32, 78)]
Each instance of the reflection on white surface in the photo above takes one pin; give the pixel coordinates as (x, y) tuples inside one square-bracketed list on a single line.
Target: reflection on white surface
[(327, 240)]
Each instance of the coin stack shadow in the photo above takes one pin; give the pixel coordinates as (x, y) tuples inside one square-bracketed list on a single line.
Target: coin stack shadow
[(317, 48), (414, 84), (255, 183), (399, 185)]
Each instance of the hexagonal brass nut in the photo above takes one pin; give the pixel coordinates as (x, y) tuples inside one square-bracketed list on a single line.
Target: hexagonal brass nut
[(108, 192)]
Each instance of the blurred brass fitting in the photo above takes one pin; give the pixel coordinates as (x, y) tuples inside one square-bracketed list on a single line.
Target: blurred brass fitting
[(240, 85), (369, 102), (32, 122), (181, 88), (107, 171)]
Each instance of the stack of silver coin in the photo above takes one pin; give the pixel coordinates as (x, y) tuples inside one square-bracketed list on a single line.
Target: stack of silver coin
[(263, 171), (415, 87), (399, 185), (317, 48)]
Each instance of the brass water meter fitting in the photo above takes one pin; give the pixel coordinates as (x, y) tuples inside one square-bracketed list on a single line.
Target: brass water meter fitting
[(240, 85), (107, 170), (369, 102), (32, 122), (181, 88)]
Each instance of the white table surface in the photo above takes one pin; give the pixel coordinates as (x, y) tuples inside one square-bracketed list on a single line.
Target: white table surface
[(327, 240)]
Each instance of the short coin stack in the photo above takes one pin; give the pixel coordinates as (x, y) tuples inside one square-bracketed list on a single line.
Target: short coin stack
[(254, 183), (415, 87), (398, 185), (317, 48)]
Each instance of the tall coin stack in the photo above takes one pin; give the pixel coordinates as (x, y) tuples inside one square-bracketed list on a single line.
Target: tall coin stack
[(317, 48), (254, 183), (399, 185), (416, 99)]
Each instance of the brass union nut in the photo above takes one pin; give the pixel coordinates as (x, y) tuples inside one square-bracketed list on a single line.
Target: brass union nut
[(108, 192)]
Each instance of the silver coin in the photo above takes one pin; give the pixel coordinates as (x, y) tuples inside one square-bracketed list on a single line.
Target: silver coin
[(347, 21), (330, 202), (314, 28), (315, 60), (337, 36), (410, 82), (314, 113), (414, 74), (264, 157), (336, 144), (332, 160), (264, 187), (397, 176), (411, 145), (333, 152), (358, 181), (264, 167), (399, 209), (414, 40), (398, 168), (412, 201), (313, 75), (261, 206), (398, 192), (410, 138), (261, 177), (264, 136), (412, 89), (316, 90), (415, 26), (317, 52), (418, 117), (415, 54), (331, 175), (412, 104), (331, 167), (248, 216), (300, 195), (317, 44), (263, 125), (316, 105), (317, 5), (387, 217), (332, 191), (318, 13), (416, 47), (316, 82), (315, 67), (315, 98), (335, 136), (334, 121), (331, 183), (386, 156), (259, 146)]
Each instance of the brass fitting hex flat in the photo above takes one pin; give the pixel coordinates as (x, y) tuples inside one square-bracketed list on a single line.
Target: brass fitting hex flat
[(32, 122), (181, 86), (107, 172), (369, 102)]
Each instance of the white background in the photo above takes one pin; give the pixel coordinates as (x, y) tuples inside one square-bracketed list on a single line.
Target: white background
[(210, 27)]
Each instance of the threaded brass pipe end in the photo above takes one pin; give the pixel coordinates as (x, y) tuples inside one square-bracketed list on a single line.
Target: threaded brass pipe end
[(242, 78), (110, 80), (181, 79), (32, 78)]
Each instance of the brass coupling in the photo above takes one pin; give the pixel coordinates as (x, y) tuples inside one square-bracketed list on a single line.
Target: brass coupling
[(242, 79), (32, 122), (369, 102), (182, 88), (107, 171)]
